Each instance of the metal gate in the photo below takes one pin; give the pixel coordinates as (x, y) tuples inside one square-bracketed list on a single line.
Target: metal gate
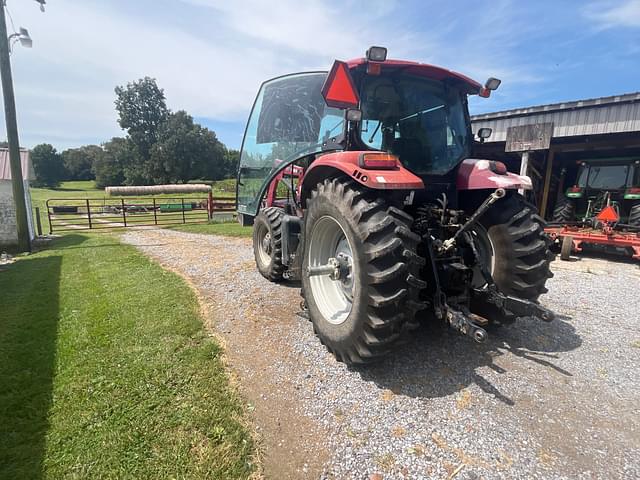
[(77, 214)]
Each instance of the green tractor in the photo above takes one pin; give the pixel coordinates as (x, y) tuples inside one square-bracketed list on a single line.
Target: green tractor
[(600, 183)]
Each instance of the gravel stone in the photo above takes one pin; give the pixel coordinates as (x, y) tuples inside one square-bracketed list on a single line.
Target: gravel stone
[(538, 400)]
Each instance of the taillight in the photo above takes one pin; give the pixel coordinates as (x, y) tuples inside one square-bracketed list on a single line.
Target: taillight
[(632, 193), (380, 161), (498, 167), (574, 192)]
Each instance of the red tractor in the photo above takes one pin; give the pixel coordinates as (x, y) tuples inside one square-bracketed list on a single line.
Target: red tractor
[(361, 183)]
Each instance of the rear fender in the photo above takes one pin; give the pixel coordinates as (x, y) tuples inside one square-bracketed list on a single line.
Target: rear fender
[(475, 174), (348, 163)]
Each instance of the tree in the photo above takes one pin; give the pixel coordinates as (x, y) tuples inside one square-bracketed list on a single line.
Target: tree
[(231, 163), (117, 158), (48, 166), (185, 151), (142, 110), (79, 161)]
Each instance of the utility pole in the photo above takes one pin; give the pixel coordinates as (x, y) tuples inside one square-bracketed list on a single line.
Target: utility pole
[(24, 242)]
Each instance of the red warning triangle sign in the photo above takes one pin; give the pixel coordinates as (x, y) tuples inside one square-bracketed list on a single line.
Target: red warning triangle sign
[(608, 214), (339, 90)]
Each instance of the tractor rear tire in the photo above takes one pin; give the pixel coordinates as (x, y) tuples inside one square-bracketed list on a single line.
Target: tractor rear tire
[(634, 215), (519, 256), (360, 316), (564, 212), (267, 243)]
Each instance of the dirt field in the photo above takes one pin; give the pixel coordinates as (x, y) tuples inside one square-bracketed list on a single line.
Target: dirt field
[(557, 400)]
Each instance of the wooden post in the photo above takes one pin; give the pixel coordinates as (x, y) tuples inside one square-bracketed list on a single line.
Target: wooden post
[(89, 214), (49, 217), (524, 167), (547, 183), (38, 222), (124, 212), (184, 220), (155, 213)]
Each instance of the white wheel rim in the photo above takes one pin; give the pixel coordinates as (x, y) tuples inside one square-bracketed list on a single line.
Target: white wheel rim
[(263, 248), (334, 298)]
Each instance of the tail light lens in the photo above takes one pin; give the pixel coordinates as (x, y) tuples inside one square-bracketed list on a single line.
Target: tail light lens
[(498, 167), (379, 161), (632, 193), (575, 189)]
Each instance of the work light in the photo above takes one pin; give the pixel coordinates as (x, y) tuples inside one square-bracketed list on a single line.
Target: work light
[(376, 54)]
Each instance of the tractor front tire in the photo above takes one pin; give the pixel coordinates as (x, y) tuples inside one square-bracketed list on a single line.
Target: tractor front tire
[(518, 250), (267, 243), (634, 215), (564, 212), (360, 316)]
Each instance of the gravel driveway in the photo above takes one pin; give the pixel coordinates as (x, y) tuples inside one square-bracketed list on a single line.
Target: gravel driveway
[(559, 400)]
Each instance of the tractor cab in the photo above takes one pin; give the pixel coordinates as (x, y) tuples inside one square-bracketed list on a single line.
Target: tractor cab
[(415, 112)]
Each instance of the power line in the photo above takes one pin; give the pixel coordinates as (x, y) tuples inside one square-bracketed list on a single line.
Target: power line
[(6, 7)]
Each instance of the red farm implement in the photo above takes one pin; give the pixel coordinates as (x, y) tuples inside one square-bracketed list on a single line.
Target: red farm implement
[(604, 233)]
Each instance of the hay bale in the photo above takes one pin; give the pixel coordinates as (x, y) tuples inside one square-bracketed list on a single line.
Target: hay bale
[(157, 189)]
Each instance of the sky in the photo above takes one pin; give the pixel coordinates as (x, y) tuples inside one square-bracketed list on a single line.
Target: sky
[(210, 56)]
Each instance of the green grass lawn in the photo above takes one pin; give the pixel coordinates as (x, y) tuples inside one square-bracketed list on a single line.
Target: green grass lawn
[(106, 371)]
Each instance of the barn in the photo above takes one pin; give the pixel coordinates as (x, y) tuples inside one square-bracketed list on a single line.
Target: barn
[(8, 227), (602, 129)]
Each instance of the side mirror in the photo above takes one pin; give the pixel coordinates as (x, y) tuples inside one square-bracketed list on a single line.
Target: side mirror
[(491, 84), (484, 133)]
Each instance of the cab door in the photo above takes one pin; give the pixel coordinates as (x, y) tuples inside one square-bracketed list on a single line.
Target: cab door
[(287, 122)]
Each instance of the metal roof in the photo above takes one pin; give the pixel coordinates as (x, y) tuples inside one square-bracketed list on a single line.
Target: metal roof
[(25, 160), (615, 114)]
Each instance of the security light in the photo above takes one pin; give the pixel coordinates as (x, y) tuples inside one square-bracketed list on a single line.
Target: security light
[(42, 4), (23, 37)]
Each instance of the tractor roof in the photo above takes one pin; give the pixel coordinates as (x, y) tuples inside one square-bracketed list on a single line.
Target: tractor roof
[(425, 70)]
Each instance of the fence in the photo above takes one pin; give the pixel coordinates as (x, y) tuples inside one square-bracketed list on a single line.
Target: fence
[(75, 214)]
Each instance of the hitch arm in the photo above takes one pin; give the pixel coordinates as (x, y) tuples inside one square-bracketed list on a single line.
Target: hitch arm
[(490, 301), (493, 198)]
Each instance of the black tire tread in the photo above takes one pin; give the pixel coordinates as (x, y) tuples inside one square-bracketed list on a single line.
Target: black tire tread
[(392, 267), (564, 211), (523, 266), (634, 215), (272, 216)]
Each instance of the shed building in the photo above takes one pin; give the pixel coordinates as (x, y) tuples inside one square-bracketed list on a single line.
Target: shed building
[(8, 226), (598, 128)]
